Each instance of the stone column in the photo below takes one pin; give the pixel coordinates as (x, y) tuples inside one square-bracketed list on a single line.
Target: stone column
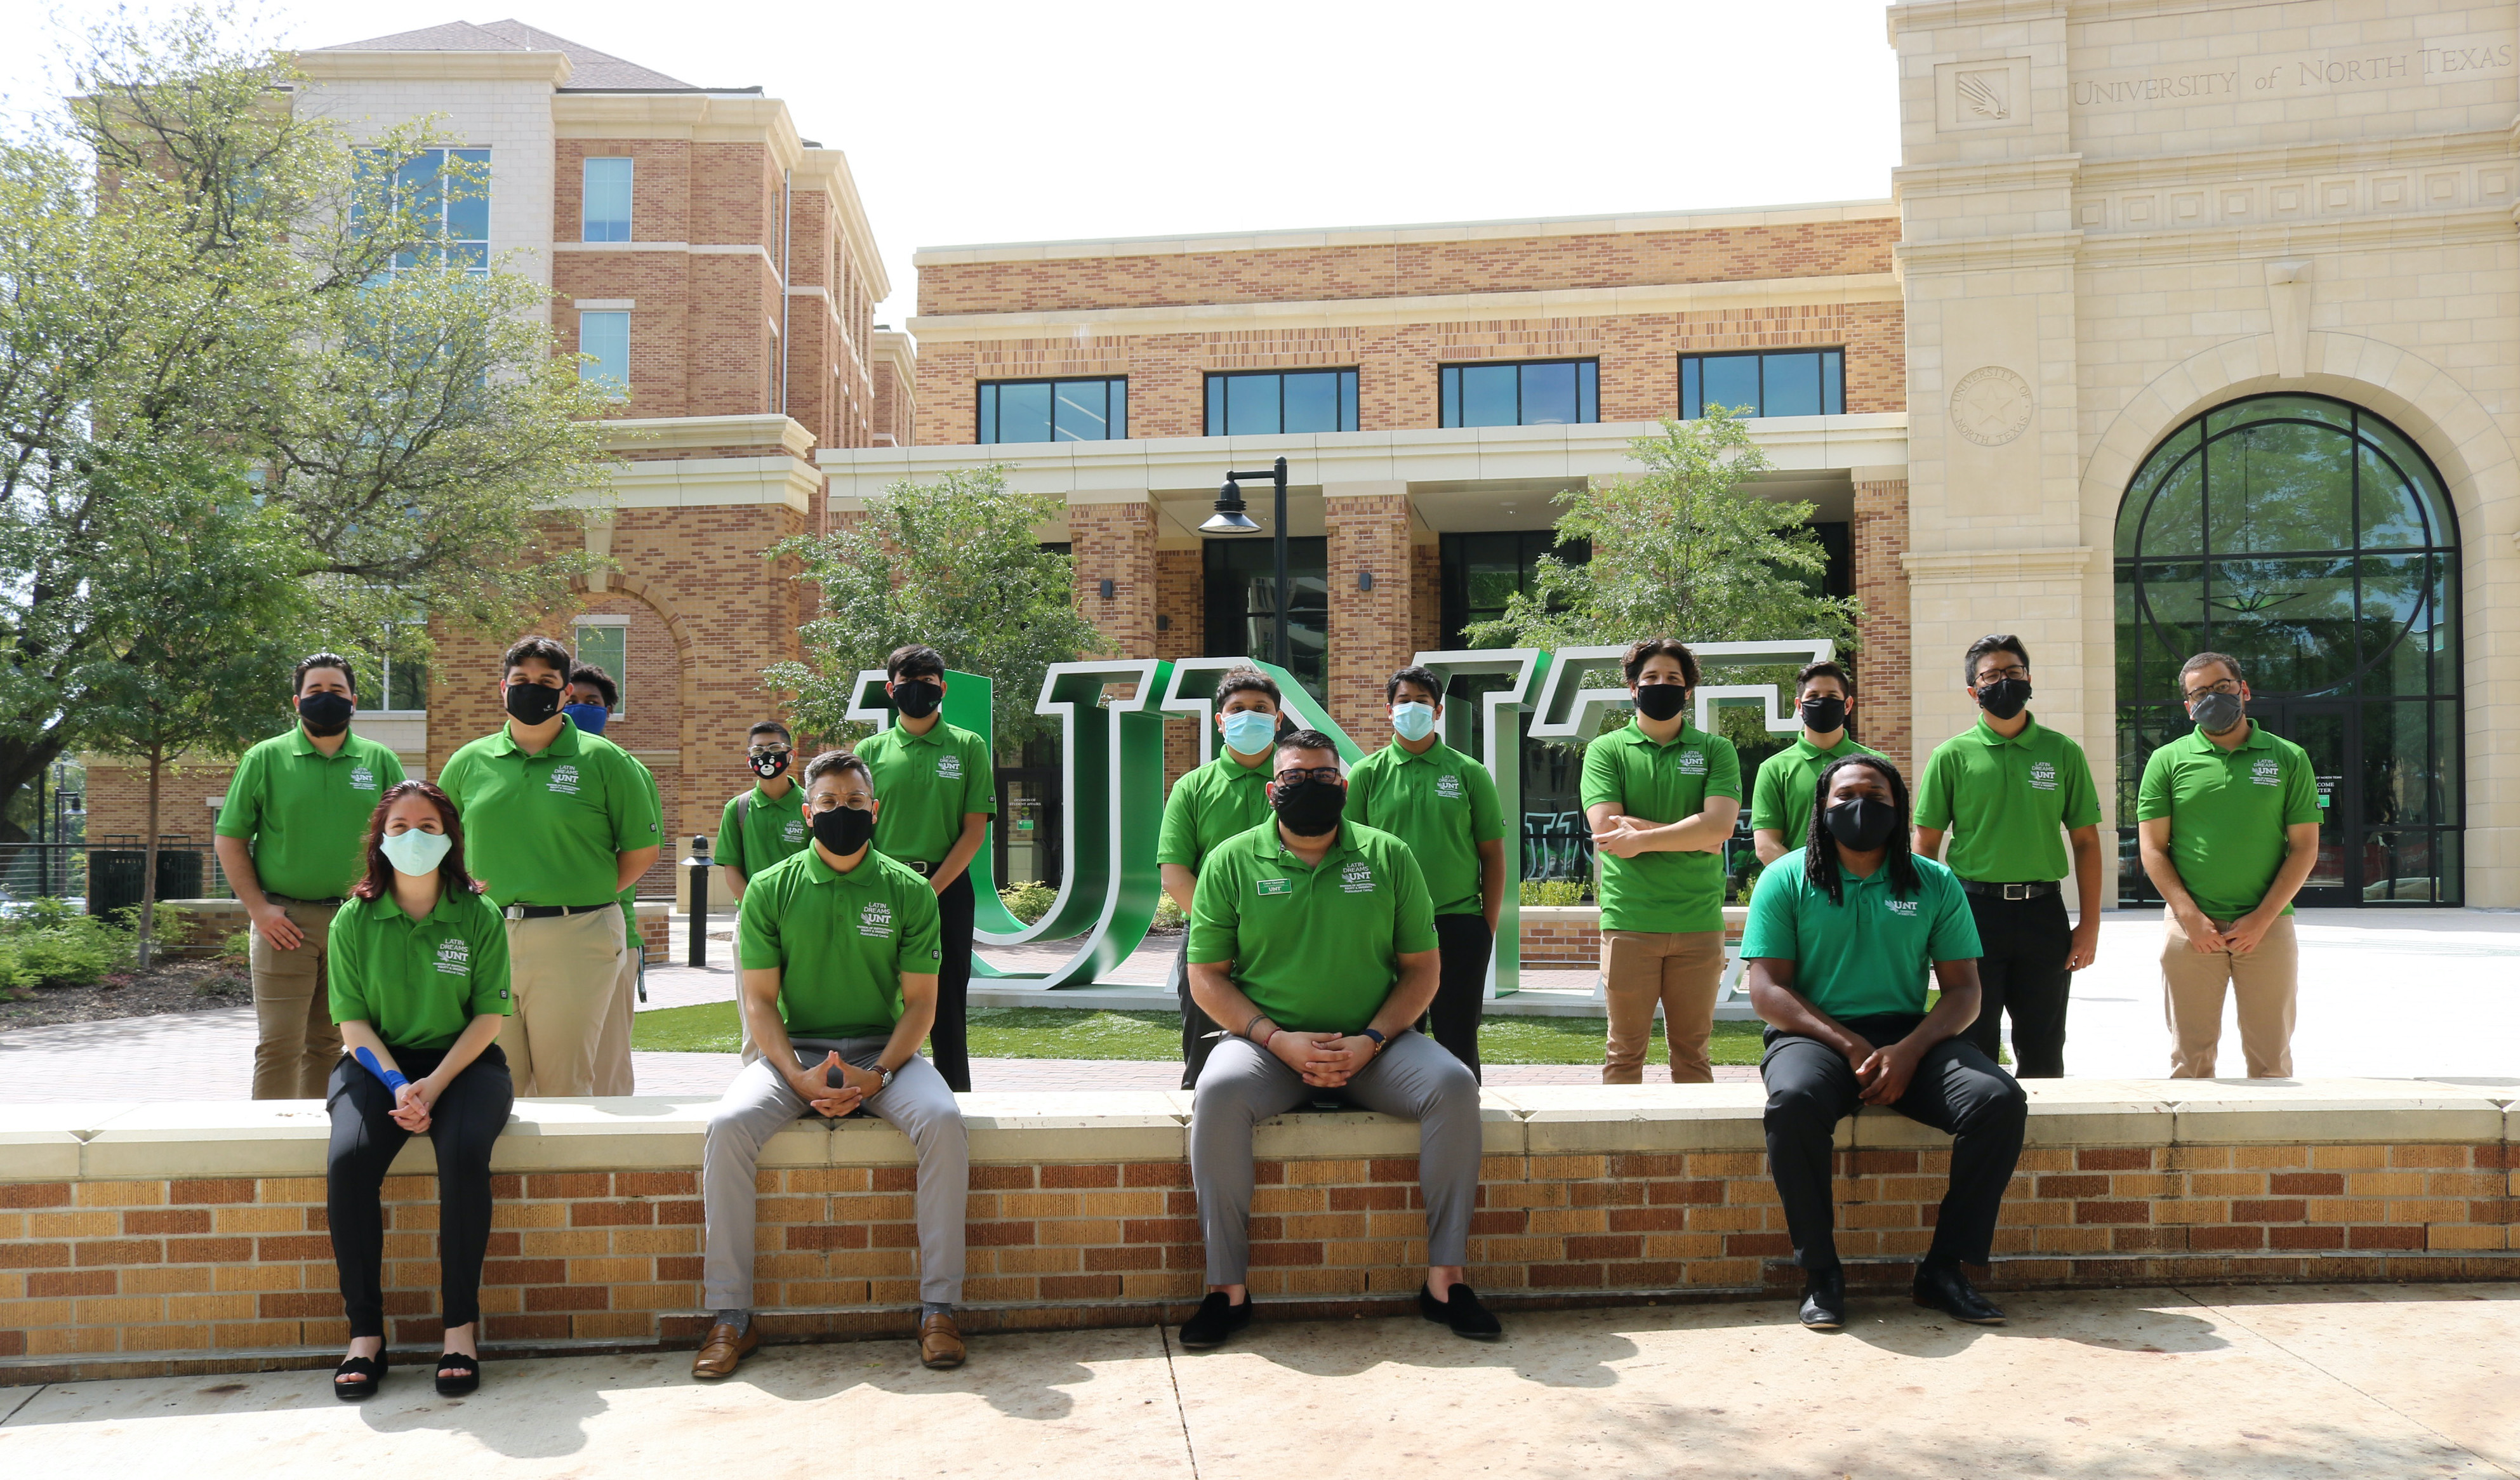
[(1371, 631), (1885, 698), (1113, 537)]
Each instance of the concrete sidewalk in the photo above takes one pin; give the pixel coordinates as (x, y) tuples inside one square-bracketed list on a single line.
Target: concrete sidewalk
[(2328, 1381)]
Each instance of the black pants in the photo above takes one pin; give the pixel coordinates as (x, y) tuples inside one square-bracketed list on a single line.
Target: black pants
[(949, 1043), (1811, 1088), (464, 1123), (1196, 1025), (1454, 1019), (2026, 943)]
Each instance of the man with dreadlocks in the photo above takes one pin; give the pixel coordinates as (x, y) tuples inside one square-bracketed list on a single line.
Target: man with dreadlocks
[(1837, 948)]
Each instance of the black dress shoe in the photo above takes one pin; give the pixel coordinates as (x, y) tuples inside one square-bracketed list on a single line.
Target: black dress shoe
[(1824, 1300), (1460, 1310), (1943, 1287), (1216, 1318)]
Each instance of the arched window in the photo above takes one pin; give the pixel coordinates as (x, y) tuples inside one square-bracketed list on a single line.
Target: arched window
[(2313, 541)]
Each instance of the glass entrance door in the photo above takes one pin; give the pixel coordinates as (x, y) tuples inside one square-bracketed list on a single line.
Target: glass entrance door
[(2328, 732), (1028, 825)]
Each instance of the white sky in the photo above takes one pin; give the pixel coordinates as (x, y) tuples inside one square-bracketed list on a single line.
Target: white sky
[(990, 121)]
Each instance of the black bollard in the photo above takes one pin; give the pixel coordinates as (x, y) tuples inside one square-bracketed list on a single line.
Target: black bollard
[(699, 863)]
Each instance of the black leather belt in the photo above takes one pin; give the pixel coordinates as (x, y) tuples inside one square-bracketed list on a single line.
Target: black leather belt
[(920, 866), (547, 912), (2011, 891), (291, 899)]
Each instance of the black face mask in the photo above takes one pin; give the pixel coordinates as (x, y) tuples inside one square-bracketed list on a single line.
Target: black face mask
[(916, 698), (325, 713), (1308, 808), (532, 703), (1863, 823), (2004, 697), (844, 829), (1823, 713), (1661, 701), (768, 766)]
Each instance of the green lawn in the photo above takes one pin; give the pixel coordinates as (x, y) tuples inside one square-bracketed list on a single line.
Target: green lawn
[(1067, 1033)]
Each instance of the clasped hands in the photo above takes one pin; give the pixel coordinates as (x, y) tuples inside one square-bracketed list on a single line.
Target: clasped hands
[(413, 1101), (1325, 1060), (834, 1086), (2240, 937), (1883, 1073)]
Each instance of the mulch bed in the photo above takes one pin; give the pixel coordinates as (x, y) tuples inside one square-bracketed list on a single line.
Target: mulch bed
[(170, 986)]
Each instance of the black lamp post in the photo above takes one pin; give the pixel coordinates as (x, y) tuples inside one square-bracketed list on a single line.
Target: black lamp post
[(1230, 519)]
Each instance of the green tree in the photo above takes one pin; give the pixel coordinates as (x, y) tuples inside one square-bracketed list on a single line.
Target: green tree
[(955, 564), (193, 274)]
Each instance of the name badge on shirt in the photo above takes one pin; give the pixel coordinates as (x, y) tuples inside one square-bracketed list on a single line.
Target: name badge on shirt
[(1276, 886)]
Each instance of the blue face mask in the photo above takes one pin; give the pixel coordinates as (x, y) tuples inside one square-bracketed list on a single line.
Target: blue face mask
[(591, 718), (1248, 732), (1413, 721)]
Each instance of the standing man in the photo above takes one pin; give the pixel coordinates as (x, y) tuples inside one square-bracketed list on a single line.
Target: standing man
[(1838, 948), (2228, 824), (556, 824), (289, 838), (1314, 940), (940, 788), (592, 699), (1230, 795), (1443, 805), (2004, 790), (839, 950), (1662, 796), (762, 825), (1780, 799)]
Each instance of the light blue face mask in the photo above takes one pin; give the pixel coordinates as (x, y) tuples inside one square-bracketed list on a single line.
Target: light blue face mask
[(1248, 732), (416, 851), (1413, 721), (591, 718)]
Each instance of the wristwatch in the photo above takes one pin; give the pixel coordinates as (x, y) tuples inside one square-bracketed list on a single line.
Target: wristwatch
[(1377, 1037), (886, 1075)]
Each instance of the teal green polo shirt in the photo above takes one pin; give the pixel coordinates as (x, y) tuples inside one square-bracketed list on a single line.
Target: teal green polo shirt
[(1872, 951), (418, 982), (2227, 813), (1442, 804), (924, 784), (1317, 948), (2007, 803), (841, 942), (757, 829), (550, 829), (1780, 796), (306, 813), (1663, 892), (1210, 804)]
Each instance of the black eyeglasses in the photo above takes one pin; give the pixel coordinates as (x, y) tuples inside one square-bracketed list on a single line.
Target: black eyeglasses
[(2223, 686), (1326, 775), (1996, 677)]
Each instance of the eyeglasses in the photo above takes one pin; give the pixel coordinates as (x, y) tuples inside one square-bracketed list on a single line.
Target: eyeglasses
[(1326, 775), (2225, 686), (2017, 671)]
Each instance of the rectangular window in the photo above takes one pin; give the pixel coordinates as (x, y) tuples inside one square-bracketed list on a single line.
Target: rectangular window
[(449, 190), (606, 201), (1055, 411), (1527, 393), (604, 345), (609, 649), (1241, 586), (1265, 403), (1791, 382)]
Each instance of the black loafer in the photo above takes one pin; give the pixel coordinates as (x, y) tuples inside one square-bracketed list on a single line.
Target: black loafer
[(457, 1375), (1460, 1310), (1824, 1300), (367, 1370), (1216, 1318), (1943, 1287)]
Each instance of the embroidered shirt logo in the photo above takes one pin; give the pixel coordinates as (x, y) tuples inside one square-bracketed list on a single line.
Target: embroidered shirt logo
[(362, 779), (1268, 886), (564, 779), (950, 766), (1357, 877), (794, 831), (455, 956), (1904, 908), (876, 918), (1449, 786), (2042, 775), (2267, 773), (1693, 762)]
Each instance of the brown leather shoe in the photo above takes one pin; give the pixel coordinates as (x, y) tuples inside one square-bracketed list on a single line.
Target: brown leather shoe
[(723, 1349), (940, 1342)]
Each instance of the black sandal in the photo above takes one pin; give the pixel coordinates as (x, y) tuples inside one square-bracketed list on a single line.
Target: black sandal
[(369, 1370), (468, 1374)]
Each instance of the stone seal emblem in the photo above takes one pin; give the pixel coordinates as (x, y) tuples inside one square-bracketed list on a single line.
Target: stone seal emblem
[(1991, 406)]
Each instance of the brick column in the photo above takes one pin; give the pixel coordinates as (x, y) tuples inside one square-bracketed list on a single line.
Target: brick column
[(1885, 711), (1371, 631), (1181, 631), (1115, 542)]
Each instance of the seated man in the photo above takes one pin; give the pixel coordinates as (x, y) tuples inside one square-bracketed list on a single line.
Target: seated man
[(1837, 945), (839, 946), (1313, 940)]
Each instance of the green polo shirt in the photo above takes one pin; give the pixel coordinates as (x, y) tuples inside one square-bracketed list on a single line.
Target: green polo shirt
[(841, 942), (306, 813), (758, 829), (419, 982), (2227, 813), (1315, 948), (925, 784), (1442, 804), (1780, 796), (549, 828), (2007, 803), (1210, 804), (1661, 783), (1872, 952)]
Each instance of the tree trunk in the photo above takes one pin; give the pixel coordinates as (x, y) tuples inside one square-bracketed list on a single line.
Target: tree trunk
[(148, 860), (22, 760)]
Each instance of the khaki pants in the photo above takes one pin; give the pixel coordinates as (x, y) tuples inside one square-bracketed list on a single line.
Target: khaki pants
[(295, 1044), (612, 1075), (2263, 983), (564, 971), (1678, 970)]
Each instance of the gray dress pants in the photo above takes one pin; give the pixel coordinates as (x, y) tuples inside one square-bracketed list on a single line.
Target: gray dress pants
[(1412, 1078), (759, 1105)]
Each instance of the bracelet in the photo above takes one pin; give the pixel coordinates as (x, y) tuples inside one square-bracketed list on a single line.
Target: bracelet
[(1379, 1039), (1257, 1018)]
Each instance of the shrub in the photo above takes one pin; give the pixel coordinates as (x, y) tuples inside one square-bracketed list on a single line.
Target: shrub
[(72, 956), (1552, 891), (1168, 915), (1028, 902)]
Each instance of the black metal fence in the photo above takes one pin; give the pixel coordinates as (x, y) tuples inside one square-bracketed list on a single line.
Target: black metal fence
[(108, 872)]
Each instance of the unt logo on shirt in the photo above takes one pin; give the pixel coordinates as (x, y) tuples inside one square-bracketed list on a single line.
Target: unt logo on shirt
[(362, 779), (1449, 786), (564, 779), (876, 918), (455, 956), (1275, 887), (2042, 775), (794, 831), (1692, 763), (1357, 877), (950, 766), (2267, 773), (1904, 908)]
